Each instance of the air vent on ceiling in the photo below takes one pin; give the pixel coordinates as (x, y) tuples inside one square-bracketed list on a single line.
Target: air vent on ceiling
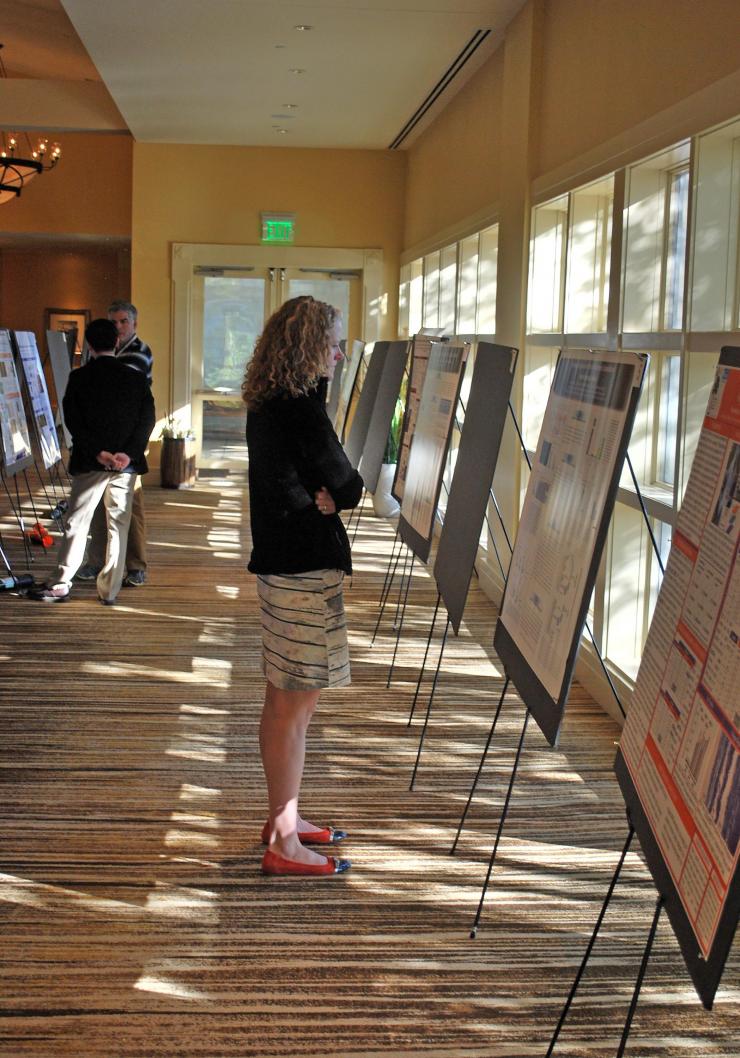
[(445, 80)]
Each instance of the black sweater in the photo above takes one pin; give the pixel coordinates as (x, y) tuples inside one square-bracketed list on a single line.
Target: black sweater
[(108, 407), (293, 451)]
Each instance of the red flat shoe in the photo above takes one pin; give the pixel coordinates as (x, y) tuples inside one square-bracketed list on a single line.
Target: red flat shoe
[(327, 836), (274, 864)]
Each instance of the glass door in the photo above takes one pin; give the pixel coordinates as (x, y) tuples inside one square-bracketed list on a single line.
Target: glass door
[(229, 310), (229, 306)]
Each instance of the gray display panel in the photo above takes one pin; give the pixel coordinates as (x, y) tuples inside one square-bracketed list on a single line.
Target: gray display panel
[(679, 756), (429, 446), (16, 443), (389, 388), (569, 501), (480, 440), (61, 366)]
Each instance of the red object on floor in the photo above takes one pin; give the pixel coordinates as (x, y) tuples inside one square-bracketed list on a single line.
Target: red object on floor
[(40, 535)]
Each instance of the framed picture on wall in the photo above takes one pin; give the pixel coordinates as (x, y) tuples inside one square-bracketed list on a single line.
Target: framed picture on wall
[(67, 320)]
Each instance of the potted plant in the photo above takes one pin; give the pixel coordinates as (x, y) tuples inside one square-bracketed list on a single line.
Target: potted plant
[(177, 468), (385, 504)]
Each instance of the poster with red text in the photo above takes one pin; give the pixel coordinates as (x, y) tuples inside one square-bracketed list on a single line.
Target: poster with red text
[(681, 740)]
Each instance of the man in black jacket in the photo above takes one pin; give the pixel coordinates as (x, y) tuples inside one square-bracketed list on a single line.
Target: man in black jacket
[(109, 411)]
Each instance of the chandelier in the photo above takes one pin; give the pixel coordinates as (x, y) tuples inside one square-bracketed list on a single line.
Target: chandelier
[(21, 161)]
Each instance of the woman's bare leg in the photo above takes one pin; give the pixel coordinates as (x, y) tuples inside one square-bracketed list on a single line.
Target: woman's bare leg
[(285, 719)]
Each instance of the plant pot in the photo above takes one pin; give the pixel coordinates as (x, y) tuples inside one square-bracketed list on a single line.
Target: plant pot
[(177, 465), (384, 504)]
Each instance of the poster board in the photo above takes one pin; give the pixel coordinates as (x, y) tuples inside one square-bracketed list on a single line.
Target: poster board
[(61, 365), (421, 347), (346, 387), (431, 441), (564, 521), (480, 441), (679, 757), (389, 387), (16, 444), (38, 396)]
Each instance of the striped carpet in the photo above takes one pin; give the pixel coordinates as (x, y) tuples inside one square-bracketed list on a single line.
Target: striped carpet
[(135, 922)]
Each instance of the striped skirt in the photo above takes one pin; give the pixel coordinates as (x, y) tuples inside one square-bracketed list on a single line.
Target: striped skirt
[(304, 630)]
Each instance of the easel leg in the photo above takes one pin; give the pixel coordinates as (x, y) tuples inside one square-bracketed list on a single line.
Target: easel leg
[(429, 705), (640, 978), (424, 662), (592, 941), (400, 622), (480, 768), (390, 573), (502, 820)]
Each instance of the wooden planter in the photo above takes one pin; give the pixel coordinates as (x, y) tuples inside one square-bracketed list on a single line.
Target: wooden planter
[(177, 466)]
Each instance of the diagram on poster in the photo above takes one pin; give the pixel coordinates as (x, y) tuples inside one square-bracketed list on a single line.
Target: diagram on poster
[(421, 347), (15, 440), (430, 443), (39, 397), (579, 452), (680, 748)]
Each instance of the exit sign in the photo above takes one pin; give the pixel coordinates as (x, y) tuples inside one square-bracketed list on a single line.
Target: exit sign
[(278, 227)]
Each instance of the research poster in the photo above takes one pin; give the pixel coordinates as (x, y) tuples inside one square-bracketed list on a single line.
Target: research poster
[(56, 343), (347, 385), (681, 740), (13, 426), (39, 397), (587, 413), (436, 413), (421, 347)]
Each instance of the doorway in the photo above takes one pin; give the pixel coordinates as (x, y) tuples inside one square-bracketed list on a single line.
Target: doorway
[(222, 308)]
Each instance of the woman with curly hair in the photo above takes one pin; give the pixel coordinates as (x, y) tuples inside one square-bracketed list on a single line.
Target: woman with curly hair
[(299, 479)]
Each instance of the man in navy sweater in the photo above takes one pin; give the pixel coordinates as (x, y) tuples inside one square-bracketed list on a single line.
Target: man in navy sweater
[(109, 411)]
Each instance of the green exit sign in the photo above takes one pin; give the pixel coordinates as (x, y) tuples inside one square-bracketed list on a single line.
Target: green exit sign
[(278, 227)]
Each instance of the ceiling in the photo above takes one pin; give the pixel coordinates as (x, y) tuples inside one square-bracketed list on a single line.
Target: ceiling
[(219, 71)]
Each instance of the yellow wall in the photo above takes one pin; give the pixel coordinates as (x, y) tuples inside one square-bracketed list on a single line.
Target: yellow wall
[(181, 193), (608, 66), (453, 168), (596, 70), (87, 193), (32, 281)]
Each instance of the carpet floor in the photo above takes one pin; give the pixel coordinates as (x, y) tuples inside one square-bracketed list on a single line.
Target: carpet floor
[(134, 920)]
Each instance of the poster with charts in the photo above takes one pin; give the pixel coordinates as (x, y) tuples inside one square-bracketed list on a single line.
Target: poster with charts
[(563, 525), (430, 445), (16, 445), (679, 755), (421, 347), (39, 397)]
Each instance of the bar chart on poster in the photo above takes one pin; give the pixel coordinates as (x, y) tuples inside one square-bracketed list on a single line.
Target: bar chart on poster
[(16, 444), (679, 757), (38, 395)]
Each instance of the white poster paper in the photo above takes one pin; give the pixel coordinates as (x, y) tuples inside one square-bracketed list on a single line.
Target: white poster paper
[(433, 425), (39, 396), (576, 454), (15, 439), (681, 740), (421, 348)]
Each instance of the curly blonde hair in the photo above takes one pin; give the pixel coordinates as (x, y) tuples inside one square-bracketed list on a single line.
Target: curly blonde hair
[(290, 355)]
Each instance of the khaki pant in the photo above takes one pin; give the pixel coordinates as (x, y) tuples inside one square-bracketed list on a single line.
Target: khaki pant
[(117, 492), (136, 547)]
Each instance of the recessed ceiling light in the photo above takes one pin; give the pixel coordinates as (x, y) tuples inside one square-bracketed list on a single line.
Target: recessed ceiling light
[(280, 45), (296, 70), (302, 28), (289, 106), (280, 132)]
